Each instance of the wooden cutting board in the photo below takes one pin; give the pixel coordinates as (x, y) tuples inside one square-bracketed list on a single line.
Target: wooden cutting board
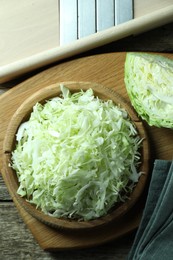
[(106, 69)]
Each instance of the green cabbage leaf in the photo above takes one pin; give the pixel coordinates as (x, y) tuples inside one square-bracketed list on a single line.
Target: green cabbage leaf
[(76, 156)]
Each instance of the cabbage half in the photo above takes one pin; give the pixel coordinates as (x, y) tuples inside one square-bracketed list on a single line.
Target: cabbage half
[(76, 156), (149, 83)]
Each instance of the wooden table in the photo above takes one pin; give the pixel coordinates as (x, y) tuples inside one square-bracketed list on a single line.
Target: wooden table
[(16, 241)]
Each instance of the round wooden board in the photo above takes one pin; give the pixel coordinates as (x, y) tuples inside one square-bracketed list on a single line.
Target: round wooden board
[(23, 113), (106, 69)]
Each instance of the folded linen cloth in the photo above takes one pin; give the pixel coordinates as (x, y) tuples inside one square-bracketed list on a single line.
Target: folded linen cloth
[(154, 237)]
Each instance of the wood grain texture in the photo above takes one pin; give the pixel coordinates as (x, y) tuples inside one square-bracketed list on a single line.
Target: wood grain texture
[(28, 26), (4, 194), (35, 26), (23, 113), (157, 14), (16, 241), (106, 69)]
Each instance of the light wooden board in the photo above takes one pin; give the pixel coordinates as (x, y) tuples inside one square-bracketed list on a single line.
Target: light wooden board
[(30, 33), (27, 28), (106, 69)]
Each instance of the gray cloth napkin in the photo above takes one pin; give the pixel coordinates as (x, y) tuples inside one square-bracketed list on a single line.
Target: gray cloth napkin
[(154, 237)]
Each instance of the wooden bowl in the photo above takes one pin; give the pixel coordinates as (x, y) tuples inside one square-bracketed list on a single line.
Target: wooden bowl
[(22, 114)]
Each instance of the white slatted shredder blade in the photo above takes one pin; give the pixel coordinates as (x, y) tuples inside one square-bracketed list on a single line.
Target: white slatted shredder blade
[(81, 18)]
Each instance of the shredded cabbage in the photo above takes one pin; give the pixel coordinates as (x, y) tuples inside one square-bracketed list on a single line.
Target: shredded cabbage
[(76, 156), (149, 83)]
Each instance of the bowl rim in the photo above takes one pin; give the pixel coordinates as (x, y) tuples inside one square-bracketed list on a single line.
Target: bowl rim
[(24, 111)]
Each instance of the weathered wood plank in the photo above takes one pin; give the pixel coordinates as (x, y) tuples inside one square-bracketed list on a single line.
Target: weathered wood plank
[(4, 195), (16, 242)]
